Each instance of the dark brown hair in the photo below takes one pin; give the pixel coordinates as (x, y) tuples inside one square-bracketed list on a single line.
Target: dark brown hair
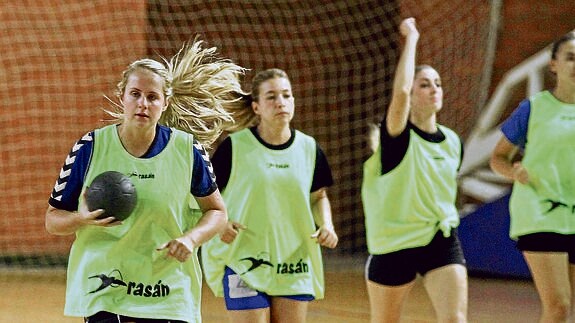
[(557, 44)]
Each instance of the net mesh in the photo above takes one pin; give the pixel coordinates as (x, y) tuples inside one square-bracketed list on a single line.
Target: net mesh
[(60, 58)]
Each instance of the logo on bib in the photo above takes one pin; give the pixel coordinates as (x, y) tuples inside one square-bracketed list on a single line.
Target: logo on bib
[(142, 176), (292, 268), (558, 204), (256, 263), (114, 279), (281, 268), (276, 165)]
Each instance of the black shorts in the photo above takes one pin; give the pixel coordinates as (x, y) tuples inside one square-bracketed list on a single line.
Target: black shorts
[(401, 267), (106, 317), (548, 242)]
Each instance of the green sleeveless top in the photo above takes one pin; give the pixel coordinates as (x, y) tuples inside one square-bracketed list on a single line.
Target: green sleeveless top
[(407, 206), (117, 269), (269, 192), (547, 203)]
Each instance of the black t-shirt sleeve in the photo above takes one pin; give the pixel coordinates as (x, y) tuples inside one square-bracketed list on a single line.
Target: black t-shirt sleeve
[(393, 149), (322, 176), (222, 163), (461, 156)]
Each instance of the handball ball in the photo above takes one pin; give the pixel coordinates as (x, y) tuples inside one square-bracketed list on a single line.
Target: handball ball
[(113, 192)]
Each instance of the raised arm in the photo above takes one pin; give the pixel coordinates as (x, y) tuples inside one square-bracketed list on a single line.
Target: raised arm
[(398, 110)]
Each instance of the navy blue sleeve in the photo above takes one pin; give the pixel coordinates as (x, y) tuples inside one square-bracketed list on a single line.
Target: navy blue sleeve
[(203, 177), (515, 127), (68, 187), (322, 176)]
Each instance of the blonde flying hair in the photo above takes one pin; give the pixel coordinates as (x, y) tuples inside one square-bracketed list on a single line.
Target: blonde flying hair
[(200, 88)]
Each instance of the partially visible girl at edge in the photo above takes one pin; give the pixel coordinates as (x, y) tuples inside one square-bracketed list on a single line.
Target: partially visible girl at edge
[(542, 204)]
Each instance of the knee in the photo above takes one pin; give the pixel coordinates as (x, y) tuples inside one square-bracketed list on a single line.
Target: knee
[(458, 317), (558, 310)]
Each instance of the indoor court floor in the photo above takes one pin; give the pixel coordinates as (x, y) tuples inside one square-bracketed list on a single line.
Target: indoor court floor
[(39, 297)]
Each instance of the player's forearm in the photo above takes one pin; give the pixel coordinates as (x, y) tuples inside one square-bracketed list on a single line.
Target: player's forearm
[(398, 111), (501, 161), (210, 224), (61, 222), (403, 79), (502, 166), (321, 209)]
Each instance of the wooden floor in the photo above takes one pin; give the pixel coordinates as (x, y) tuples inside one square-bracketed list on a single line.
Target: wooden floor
[(40, 298)]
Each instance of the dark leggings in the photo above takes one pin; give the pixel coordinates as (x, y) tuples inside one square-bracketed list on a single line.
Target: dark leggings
[(401, 267), (107, 317), (548, 242)]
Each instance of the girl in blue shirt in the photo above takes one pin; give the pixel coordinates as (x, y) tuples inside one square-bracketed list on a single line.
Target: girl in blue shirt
[(536, 153), (161, 107)]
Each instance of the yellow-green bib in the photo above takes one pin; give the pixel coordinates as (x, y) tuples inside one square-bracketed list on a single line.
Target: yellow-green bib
[(117, 269), (407, 206), (547, 203), (269, 192)]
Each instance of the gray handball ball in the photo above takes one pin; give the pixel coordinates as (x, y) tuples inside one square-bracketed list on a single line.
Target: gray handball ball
[(113, 192)]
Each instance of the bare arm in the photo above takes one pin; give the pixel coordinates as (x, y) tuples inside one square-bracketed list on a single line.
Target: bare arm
[(398, 111), (231, 231), (321, 210), (62, 222), (502, 163), (213, 220)]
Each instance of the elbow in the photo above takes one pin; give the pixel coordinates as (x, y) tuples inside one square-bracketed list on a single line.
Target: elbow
[(492, 163), (405, 91), (50, 228), (53, 229), (48, 223), (222, 220), (401, 95), (498, 164), (52, 224)]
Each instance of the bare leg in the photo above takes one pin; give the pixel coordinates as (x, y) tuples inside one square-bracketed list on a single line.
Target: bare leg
[(572, 281), (447, 289), (552, 276), (386, 302), (285, 310), (260, 315)]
